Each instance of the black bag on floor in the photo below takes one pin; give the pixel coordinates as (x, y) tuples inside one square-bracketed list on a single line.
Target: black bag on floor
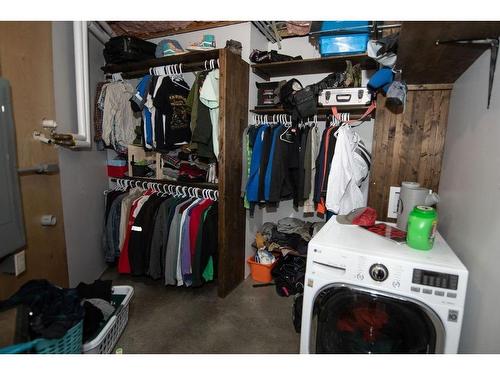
[(289, 274), (124, 48), (297, 311)]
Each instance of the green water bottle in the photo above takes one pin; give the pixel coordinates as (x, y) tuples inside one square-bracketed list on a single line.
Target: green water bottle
[(422, 223)]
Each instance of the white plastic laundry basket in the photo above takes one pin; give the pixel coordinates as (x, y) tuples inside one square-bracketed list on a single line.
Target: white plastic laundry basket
[(109, 335)]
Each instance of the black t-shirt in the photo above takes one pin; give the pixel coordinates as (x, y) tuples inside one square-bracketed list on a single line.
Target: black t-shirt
[(172, 117)]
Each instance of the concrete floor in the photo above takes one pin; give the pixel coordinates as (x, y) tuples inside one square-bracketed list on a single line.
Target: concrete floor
[(194, 320)]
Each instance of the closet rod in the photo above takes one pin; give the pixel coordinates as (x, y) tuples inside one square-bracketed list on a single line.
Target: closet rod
[(202, 185), (324, 117), (188, 67), (173, 189)]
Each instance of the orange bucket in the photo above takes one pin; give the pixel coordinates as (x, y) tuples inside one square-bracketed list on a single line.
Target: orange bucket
[(260, 272)]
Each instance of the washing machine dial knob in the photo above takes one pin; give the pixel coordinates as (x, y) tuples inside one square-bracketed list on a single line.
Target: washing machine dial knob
[(379, 272)]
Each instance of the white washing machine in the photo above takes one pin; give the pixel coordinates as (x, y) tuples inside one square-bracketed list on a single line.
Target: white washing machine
[(366, 294)]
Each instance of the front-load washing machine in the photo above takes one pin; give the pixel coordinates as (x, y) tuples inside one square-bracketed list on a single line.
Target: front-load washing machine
[(364, 293)]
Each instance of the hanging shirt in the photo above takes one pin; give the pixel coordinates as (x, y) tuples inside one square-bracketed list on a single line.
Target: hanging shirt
[(98, 115), (194, 224), (209, 96), (183, 240), (269, 170), (255, 165), (119, 121), (127, 201), (172, 118), (140, 237), (171, 250), (123, 262), (138, 104), (298, 195), (343, 193), (323, 163), (314, 147), (206, 243), (110, 239), (160, 238)]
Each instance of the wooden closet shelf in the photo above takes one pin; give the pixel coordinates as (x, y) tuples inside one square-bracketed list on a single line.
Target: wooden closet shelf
[(311, 66), (201, 185), (142, 67)]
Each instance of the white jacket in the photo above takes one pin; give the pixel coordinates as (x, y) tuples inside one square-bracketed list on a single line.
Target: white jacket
[(346, 175)]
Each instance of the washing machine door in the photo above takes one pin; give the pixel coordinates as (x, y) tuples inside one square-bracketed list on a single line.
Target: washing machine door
[(351, 319)]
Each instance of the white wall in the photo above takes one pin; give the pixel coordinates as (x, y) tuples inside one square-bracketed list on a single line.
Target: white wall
[(470, 201), (83, 173)]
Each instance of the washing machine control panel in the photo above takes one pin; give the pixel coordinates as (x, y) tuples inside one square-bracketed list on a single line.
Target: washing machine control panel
[(435, 279)]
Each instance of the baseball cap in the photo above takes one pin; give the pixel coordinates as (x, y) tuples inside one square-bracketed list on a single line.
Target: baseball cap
[(168, 47), (363, 216)]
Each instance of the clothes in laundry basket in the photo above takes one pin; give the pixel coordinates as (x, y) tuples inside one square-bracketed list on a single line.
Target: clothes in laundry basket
[(52, 310)]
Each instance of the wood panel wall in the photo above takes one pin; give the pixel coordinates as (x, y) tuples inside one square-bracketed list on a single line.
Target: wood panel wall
[(26, 61), (233, 117), (408, 146)]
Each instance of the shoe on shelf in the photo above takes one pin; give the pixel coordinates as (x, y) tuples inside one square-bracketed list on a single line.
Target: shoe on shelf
[(169, 47), (207, 43)]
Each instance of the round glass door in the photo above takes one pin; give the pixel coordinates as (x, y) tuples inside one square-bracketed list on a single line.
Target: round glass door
[(353, 320)]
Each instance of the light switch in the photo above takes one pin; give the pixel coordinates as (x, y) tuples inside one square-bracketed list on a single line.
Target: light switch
[(392, 207), (20, 262)]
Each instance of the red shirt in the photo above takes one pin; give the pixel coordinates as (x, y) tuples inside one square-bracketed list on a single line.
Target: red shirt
[(194, 224)]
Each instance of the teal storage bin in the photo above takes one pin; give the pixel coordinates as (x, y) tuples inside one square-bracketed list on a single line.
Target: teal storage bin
[(342, 44), (343, 37)]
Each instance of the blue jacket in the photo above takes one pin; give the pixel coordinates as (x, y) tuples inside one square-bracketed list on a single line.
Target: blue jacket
[(267, 181), (253, 178)]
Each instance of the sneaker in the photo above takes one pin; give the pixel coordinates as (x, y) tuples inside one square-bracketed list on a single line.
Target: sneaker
[(207, 43), (168, 47)]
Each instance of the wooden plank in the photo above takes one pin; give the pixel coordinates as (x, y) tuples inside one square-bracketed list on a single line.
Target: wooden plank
[(33, 99), (156, 29), (312, 66), (408, 146), (428, 138), (424, 62), (355, 111), (233, 118), (143, 66), (379, 157), (439, 142), (434, 86)]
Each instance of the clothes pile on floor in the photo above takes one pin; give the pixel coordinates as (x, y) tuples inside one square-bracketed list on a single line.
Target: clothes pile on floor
[(289, 235), (44, 310), (287, 242)]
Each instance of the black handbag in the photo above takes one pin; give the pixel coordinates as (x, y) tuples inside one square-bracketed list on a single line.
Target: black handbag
[(306, 102)]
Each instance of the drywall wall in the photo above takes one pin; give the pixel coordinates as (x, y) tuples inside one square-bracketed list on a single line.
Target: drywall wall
[(470, 201), (83, 173)]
